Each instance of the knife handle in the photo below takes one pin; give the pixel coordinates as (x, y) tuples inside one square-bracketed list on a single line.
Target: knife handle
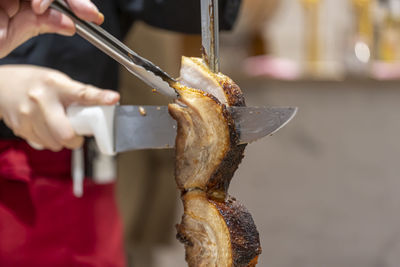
[(97, 121)]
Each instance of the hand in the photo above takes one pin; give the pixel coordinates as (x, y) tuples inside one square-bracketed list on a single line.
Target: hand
[(33, 101), (20, 20)]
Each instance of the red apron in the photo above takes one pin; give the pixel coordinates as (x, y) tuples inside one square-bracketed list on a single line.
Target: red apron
[(43, 224)]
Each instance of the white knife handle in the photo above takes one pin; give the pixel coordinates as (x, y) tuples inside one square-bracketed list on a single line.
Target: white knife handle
[(94, 121), (97, 121)]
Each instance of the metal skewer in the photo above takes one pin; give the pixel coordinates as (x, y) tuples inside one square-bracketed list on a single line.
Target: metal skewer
[(210, 33)]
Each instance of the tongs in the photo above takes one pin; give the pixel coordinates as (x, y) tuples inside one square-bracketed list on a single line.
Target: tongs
[(139, 66), (253, 122)]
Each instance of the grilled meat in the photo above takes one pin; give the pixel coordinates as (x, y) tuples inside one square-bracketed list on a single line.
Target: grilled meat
[(215, 228)]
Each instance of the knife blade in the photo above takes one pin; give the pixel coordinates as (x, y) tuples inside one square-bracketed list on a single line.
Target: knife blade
[(123, 128)]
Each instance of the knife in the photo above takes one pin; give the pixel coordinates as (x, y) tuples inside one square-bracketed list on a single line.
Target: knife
[(114, 127), (122, 128), (267, 121)]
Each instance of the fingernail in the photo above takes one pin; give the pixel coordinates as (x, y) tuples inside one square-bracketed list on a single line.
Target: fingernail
[(44, 5), (100, 19)]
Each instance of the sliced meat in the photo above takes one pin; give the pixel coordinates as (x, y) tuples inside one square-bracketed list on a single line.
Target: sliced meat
[(215, 228), (204, 232), (194, 73), (217, 233), (197, 159)]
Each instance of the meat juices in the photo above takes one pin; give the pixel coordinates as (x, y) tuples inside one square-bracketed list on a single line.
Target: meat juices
[(216, 229)]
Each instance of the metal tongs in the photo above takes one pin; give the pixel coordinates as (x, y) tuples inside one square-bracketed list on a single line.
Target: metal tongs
[(139, 66), (161, 81)]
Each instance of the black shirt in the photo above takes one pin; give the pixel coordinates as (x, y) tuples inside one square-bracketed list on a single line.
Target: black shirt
[(83, 62)]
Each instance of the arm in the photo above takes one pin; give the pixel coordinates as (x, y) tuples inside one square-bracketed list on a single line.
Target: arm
[(20, 20), (33, 101)]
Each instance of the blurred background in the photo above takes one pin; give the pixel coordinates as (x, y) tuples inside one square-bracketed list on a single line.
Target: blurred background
[(325, 190)]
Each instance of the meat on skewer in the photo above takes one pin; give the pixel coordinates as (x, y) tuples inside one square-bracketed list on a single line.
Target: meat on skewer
[(216, 229)]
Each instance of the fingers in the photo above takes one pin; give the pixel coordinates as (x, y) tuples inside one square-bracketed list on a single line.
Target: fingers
[(41, 132), (26, 24), (21, 20), (28, 126), (58, 125), (84, 9), (89, 95), (68, 92), (50, 135), (38, 113), (82, 94), (10, 7), (34, 140), (54, 125), (52, 21), (56, 92)]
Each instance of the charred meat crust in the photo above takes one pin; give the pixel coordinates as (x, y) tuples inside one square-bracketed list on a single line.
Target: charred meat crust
[(207, 155), (218, 184), (245, 239), (219, 181), (236, 220), (181, 236), (221, 178), (191, 123), (204, 232), (232, 91)]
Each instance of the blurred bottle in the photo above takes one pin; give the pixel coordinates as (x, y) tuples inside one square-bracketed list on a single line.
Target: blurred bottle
[(359, 54), (312, 42), (389, 32)]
